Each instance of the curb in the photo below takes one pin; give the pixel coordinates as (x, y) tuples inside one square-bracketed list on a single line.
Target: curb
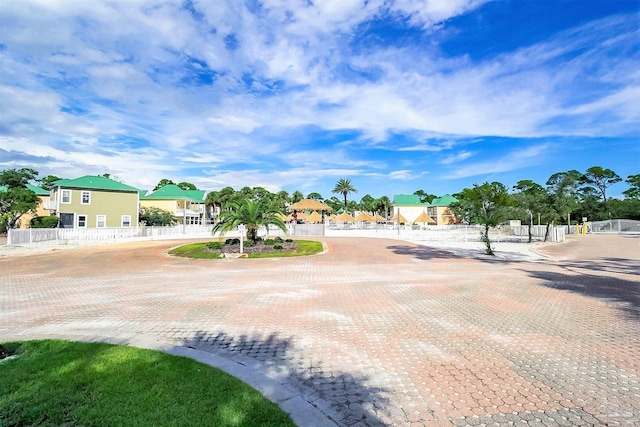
[(302, 412)]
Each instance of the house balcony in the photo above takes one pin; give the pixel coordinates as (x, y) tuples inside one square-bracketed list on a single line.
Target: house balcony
[(50, 205), (195, 211)]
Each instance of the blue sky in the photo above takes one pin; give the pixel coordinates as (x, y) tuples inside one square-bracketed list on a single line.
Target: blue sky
[(294, 94)]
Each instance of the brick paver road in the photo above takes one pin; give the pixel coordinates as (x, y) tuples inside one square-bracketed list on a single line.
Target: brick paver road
[(373, 332)]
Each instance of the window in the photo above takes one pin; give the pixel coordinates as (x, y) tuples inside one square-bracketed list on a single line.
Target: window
[(82, 221), (126, 221), (101, 221), (66, 196), (85, 197)]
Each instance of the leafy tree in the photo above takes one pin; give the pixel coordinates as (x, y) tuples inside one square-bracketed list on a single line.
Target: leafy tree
[(186, 185), (162, 183), (315, 196), (44, 222), (485, 204), (627, 208), (252, 213), (47, 181), (383, 206), (425, 197), (601, 179), (153, 216), (367, 203), (563, 187), (262, 193), (532, 201), (344, 187), (296, 196), (634, 187), (16, 199), (334, 203), (281, 199)]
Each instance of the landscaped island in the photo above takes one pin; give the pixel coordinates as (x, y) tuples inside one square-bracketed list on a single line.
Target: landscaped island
[(259, 248)]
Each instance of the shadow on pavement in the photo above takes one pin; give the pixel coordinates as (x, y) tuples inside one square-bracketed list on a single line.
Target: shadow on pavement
[(598, 286), (421, 252), (345, 398)]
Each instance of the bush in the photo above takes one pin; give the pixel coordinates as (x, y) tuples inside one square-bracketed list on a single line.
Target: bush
[(278, 239), (289, 240), (269, 242), (44, 222), (232, 241), (248, 243), (259, 239), (215, 245), (277, 247)]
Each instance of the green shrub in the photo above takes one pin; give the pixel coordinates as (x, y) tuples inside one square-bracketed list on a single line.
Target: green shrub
[(269, 242), (289, 240), (278, 239), (44, 222), (249, 243), (259, 239), (277, 246), (232, 241), (215, 245)]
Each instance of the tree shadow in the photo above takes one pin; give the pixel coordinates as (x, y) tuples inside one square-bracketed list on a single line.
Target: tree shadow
[(422, 252), (343, 398), (607, 288), (608, 265)]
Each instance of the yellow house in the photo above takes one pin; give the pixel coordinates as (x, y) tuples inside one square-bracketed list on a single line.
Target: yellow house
[(41, 210), (409, 206), (188, 206), (439, 210), (94, 201)]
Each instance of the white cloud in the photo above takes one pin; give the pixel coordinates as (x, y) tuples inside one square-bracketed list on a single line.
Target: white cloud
[(455, 158), (516, 158)]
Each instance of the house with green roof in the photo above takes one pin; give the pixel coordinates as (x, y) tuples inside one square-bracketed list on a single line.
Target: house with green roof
[(439, 210), (94, 201), (408, 206), (186, 205), (41, 210)]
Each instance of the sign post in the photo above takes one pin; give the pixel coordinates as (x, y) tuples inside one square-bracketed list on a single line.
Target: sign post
[(242, 228)]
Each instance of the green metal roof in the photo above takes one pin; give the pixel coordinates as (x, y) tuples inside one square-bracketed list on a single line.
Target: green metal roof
[(407, 200), (39, 191), (94, 183), (173, 192), (445, 200), (196, 194)]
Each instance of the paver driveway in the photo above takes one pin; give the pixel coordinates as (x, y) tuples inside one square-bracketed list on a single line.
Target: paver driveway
[(373, 331)]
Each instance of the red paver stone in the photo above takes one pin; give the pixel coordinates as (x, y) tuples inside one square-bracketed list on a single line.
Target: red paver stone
[(376, 332)]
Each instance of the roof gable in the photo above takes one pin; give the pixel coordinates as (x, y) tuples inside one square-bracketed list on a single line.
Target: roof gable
[(39, 191), (407, 200), (95, 183), (445, 200), (173, 192)]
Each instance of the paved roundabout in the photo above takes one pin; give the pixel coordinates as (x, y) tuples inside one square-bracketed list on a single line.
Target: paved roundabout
[(371, 332)]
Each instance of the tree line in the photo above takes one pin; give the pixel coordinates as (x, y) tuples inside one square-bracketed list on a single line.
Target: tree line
[(565, 197)]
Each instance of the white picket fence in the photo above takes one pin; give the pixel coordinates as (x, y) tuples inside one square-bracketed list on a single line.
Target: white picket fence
[(63, 235), (392, 231)]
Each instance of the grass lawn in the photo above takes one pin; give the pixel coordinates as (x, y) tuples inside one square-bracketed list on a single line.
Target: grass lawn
[(53, 383), (197, 250)]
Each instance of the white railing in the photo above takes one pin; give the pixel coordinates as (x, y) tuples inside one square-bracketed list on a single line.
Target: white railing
[(62, 235), (50, 205)]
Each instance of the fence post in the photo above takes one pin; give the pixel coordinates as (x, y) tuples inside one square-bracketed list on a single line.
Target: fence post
[(30, 235)]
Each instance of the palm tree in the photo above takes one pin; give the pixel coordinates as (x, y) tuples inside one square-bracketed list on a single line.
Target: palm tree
[(345, 187), (253, 214), (384, 202)]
